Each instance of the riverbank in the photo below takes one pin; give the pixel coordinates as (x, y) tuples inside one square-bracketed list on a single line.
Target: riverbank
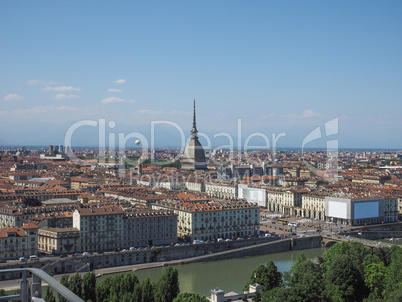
[(259, 248)]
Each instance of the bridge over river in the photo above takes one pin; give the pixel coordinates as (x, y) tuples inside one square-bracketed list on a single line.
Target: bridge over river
[(329, 240)]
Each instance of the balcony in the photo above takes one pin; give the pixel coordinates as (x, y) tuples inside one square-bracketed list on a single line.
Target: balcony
[(35, 294)]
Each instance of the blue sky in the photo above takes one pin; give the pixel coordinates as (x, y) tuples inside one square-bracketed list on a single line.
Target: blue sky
[(280, 66)]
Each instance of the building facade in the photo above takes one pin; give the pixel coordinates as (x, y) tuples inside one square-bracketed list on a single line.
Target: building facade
[(284, 201), (361, 211), (58, 240), (221, 190), (19, 241), (149, 228), (225, 219), (101, 228)]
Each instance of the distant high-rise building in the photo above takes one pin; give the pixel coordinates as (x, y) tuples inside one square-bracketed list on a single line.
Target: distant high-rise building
[(194, 155)]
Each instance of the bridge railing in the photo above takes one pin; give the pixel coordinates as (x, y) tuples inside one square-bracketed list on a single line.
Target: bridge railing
[(34, 293)]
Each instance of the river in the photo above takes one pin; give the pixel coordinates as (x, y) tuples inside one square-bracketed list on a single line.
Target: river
[(228, 275)]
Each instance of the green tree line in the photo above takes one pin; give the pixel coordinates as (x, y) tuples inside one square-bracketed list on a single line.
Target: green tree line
[(348, 271), (125, 288)]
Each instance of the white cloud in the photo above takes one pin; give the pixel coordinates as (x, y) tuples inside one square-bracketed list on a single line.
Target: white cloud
[(119, 81), (61, 88), (63, 96), (266, 116), (41, 110), (114, 90), (13, 97), (310, 113), (116, 100), (147, 111), (41, 82)]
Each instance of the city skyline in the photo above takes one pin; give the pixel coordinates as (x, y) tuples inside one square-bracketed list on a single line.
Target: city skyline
[(279, 67)]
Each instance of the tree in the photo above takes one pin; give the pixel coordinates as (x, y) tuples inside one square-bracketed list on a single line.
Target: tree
[(344, 281), (103, 290), (385, 254), (2, 293), (277, 294), (393, 279), (369, 259), (257, 297), (65, 282), (128, 282), (49, 297), (190, 297), (129, 297), (89, 287), (147, 291), (167, 287), (75, 284), (304, 282), (374, 275), (268, 276), (137, 292), (355, 250)]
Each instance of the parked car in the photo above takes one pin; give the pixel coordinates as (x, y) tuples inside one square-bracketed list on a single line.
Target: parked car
[(62, 256), (33, 257), (22, 259), (86, 253)]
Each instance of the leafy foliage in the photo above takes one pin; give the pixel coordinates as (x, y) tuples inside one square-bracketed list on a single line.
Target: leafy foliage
[(88, 287), (49, 297), (75, 284), (65, 282), (393, 279), (190, 297), (374, 274), (167, 287), (267, 276)]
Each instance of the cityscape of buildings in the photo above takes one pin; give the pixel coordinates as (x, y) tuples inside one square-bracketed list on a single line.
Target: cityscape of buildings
[(54, 205)]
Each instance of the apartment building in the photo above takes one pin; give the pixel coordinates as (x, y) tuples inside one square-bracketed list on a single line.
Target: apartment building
[(107, 227), (16, 216), (313, 206), (58, 240), (18, 242), (149, 228), (221, 190), (213, 220), (101, 228), (284, 201)]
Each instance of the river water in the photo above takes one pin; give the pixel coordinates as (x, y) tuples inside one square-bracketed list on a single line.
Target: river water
[(228, 275)]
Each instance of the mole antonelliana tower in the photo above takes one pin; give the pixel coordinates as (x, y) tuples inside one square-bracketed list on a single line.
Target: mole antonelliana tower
[(194, 155)]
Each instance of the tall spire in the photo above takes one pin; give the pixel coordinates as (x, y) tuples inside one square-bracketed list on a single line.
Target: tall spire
[(194, 130)]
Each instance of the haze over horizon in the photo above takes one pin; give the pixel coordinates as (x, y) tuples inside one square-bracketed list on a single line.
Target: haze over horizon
[(281, 67)]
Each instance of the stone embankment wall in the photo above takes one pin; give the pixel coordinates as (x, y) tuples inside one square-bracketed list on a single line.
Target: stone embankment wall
[(374, 232)]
